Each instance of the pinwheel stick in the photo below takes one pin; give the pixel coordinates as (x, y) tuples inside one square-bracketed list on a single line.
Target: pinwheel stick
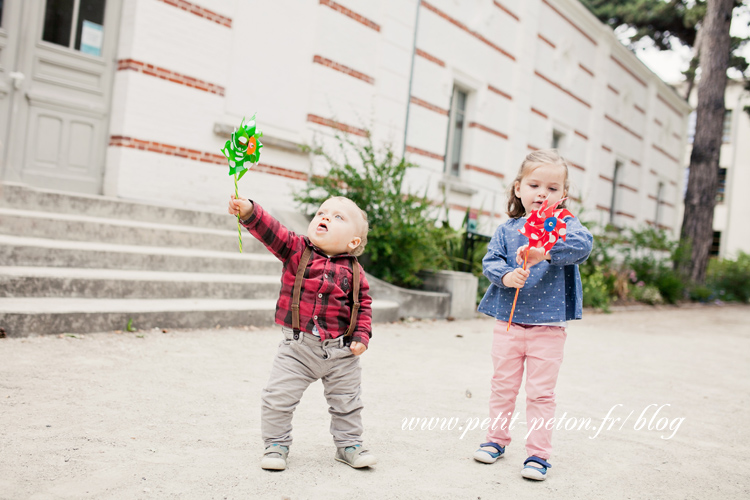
[(239, 228), (512, 309)]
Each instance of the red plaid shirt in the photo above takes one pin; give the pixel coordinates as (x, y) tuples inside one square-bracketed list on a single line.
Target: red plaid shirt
[(326, 295)]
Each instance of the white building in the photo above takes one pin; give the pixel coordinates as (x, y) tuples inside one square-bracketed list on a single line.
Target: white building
[(135, 98), (730, 228)]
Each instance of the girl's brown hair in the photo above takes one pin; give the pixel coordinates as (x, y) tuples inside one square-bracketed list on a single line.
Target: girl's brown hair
[(530, 163)]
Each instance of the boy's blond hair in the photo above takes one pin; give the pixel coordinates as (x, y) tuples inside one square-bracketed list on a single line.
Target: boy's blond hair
[(363, 226)]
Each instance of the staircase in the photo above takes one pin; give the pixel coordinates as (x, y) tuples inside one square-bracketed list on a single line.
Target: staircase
[(77, 263)]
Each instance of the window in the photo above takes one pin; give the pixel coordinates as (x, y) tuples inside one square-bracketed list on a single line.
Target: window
[(715, 244), (456, 131), (1, 13), (726, 133), (721, 185), (76, 24), (557, 139), (613, 201), (659, 195)]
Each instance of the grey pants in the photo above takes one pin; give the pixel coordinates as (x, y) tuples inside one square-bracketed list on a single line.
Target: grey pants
[(299, 363)]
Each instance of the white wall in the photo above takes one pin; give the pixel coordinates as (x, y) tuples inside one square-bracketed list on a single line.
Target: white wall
[(530, 67)]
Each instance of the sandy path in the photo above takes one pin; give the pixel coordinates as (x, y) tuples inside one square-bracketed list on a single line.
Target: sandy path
[(176, 415)]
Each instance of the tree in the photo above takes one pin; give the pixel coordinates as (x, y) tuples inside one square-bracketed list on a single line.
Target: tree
[(704, 26), (697, 223)]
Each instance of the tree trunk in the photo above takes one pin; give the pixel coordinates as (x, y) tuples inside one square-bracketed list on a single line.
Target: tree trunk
[(697, 224)]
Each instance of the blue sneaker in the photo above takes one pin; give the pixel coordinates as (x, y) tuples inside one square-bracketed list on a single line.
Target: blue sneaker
[(488, 456), (535, 468)]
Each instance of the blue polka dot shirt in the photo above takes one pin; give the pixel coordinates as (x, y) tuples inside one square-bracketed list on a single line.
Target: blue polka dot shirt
[(552, 292)]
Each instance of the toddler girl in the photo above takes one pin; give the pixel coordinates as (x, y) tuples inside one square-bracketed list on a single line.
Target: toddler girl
[(550, 296)]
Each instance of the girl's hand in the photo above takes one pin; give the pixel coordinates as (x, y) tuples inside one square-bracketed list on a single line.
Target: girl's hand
[(536, 255), (516, 278), (357, 348), (240, 207)]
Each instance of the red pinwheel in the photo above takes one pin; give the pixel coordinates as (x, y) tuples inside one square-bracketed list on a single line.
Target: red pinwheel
[(543, 228)]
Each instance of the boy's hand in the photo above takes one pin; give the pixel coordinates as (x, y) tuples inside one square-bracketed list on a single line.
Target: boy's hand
[(516, 278), (536, 255), (358, 348), (240, 206)]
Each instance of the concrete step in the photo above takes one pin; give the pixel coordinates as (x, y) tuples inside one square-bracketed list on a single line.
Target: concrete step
[(22, 197), (99, 229), (26, 316), (20, 251), (122, 284)]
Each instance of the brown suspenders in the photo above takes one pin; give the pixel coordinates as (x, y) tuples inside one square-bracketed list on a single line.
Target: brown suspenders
[(298, 290)]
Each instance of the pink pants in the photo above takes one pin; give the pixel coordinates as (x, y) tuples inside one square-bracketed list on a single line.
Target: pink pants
[(542, 348)]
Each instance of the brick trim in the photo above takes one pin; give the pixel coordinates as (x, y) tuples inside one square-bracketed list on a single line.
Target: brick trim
[(625, 186), (199, 11), (673, 183), (669, 105), (488, 130), (656, 120), (536, 111), (610, 87), (499, 92), (327, 122), (417, 151), (579, 167), (560, 87), (635, 163), (606, 148), (462, 208), (639, 109), (606, 178), (626, 129), (584, 68), (484, 171), (427, 105), (588, 37), (462, 26), (665, 153), (172, 76), (581, 134), (343, 69), (351, 14), (196, 155), (625, 214), (676, 136), (506, 10), (627, 70), (280, 171), (431, 58), (653, 172), (545, 40), (602, 207), (533, 148)]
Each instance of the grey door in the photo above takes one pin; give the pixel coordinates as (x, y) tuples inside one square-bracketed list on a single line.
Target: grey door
[(57, 74)]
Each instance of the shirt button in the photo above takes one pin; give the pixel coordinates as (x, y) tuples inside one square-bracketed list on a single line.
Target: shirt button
[(320, 295), (315, 317)]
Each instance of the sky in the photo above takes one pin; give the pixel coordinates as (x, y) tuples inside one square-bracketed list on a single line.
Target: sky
[(668, 65)]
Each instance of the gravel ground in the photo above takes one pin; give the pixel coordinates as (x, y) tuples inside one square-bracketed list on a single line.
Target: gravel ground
[(157, 415)]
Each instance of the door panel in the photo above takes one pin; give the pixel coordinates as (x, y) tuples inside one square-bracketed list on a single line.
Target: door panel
[(58, 128)]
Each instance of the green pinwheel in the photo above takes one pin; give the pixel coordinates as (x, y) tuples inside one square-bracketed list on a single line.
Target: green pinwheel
[(241, 151)]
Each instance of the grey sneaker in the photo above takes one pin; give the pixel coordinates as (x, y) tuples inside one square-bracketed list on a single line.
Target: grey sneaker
[(355, 456), (275, 457)]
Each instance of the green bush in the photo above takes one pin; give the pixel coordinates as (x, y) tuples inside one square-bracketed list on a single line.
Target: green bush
[(595, 291), (646, 293), (730, 279), (404, 236)]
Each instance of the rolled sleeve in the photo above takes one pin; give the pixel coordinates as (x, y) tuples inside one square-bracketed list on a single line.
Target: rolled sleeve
[(576, 247)]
